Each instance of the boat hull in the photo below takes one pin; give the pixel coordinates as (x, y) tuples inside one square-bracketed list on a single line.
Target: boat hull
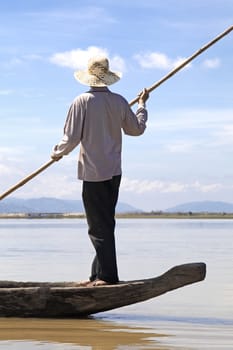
[(69, 299)]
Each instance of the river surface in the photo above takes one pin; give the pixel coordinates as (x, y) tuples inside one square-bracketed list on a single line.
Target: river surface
[(199, 316)]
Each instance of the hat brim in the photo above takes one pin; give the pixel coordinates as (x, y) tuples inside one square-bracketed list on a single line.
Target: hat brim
[(109, 78)]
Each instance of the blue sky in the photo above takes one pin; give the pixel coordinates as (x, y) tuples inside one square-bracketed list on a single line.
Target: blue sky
[(186, 151)]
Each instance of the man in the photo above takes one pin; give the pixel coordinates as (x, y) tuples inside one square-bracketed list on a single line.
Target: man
[(95, 120)]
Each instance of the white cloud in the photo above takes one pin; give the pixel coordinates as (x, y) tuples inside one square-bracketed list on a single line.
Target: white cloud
[(158, 60), (117, 63), (55, 184), (157, 186), (212, 63), (77, 59), (206, 188)]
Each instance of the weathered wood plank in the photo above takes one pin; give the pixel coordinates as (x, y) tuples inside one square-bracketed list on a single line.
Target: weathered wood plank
[(68, 299)]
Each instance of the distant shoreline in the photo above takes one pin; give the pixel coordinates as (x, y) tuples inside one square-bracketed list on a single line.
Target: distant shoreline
[(149, 215)]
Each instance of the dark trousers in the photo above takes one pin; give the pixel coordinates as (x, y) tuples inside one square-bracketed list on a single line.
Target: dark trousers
[(100, 199)]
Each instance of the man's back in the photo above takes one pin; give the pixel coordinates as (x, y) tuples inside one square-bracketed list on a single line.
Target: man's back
[(106, 113)]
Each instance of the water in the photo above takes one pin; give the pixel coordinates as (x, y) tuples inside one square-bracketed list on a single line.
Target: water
[(199, 316)]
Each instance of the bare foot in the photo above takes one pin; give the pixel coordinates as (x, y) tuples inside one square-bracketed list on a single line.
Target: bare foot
[(97, 283), (84, 283)]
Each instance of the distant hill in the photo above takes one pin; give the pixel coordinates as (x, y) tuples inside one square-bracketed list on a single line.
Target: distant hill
[(55, 205), (52, 205), (202, 207)]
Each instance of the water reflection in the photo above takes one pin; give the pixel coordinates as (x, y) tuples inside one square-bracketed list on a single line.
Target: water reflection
[(91, 334)]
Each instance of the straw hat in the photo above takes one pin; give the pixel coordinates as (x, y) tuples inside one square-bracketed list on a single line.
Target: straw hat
[(98, 73)]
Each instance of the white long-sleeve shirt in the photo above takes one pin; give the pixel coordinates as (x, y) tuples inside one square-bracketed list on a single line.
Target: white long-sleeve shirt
[(96, 120)]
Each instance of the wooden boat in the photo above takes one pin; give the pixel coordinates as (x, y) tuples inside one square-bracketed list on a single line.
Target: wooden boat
[(69, 299)]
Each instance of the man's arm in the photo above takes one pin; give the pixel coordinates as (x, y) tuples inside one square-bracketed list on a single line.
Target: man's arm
[(135, 124), (72, 132)]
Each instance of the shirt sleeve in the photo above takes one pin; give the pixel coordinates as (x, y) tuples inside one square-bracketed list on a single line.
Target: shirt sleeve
[(134, 124), (72, 130)]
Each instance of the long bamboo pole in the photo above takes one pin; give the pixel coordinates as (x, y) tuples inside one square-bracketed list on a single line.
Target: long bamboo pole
[(151, 88)]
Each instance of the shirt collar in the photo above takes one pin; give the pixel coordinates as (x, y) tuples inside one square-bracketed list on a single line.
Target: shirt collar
[(100, 89)]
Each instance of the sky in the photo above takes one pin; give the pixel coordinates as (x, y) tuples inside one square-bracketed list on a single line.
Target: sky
[(186, 151)]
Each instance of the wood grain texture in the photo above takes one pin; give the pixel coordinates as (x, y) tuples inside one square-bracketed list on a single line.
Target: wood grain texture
[(69, 299)]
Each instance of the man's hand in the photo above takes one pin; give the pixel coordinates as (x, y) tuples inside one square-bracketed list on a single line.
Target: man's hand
[(143, 96), (56, 158)]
